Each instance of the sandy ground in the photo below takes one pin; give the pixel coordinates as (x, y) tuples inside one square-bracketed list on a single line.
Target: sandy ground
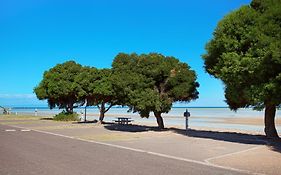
[(249, 121)]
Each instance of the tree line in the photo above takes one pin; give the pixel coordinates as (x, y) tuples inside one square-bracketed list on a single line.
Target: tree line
[(245, 53), (145, 83)]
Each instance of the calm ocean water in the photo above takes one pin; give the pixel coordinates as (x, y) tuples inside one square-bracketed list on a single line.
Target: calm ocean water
[(200, 117)]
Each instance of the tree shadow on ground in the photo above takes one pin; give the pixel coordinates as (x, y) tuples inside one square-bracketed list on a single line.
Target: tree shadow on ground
[(234, 137), (131, 128), (46, 118), (223, 136), (87, 122), (275, 145)]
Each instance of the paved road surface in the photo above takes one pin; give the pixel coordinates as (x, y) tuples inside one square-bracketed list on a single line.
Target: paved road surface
[(31, 152)]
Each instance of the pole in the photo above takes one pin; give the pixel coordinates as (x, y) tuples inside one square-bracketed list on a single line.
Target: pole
[(85, 116), (186, 115)]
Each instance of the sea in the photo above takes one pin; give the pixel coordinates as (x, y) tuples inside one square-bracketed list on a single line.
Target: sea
[(205, 117)]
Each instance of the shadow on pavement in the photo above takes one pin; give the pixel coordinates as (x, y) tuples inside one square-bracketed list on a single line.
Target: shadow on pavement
[(273, 144), (46, 118), (87, 121), (131, 128), (224, 136)]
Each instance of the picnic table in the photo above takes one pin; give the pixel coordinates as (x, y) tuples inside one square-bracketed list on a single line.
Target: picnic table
[(123, 120)]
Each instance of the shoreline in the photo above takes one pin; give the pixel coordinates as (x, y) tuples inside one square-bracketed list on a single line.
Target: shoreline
[(246, 125)]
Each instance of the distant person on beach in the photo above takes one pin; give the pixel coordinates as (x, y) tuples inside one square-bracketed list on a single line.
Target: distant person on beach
[(36, 111)]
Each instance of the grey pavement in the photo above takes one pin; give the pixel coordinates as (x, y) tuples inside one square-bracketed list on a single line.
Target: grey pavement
[(32, 152)]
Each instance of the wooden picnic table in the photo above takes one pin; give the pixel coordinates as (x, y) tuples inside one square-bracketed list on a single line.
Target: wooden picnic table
[(123, 120)]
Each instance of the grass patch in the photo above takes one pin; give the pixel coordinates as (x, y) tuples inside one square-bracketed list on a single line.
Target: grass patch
[(63, 116)]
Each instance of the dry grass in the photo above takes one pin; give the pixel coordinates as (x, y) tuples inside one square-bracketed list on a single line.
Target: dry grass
[(19, 117)]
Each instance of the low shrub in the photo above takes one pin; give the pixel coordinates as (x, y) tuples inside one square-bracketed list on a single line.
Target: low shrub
[(63, 116)]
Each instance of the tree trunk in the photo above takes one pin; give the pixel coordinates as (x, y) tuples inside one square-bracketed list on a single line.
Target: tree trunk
[(159, 120), (270, 130), (85, 114), (102, 111)]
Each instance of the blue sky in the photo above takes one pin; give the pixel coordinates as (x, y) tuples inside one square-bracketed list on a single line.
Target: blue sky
[(35, 35)]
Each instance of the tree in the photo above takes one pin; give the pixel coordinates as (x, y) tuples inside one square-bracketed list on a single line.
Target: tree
[(59, 87), (96, 88), (245, 53), (153, 82)]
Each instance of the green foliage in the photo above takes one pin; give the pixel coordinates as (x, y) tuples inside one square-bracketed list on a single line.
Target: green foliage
[(59, 87), (152, 82), (245, 53), (146, 83), (96, 86), (69, 85), (64, 116)]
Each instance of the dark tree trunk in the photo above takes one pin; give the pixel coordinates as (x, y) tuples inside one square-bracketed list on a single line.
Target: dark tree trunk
[(85, 114), (270, 130), (102, 112), (159, 120)]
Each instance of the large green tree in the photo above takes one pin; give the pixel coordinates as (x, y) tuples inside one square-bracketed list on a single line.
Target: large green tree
[(245, 53), (96, 89), (152, 82), (59, 87)]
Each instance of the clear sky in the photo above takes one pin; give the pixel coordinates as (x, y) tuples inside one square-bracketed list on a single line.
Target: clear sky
[(35, 35)]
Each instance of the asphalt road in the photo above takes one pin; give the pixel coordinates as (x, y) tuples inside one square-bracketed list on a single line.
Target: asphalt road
[(31, 152)]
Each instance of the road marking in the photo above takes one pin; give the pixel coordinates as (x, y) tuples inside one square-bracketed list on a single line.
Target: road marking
[(230, 154), (25, 130), (10, 130), (13, 130), (206, 163)]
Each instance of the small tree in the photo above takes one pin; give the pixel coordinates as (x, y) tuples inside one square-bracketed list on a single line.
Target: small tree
[(59, 88), (154, 82), (245, 53)]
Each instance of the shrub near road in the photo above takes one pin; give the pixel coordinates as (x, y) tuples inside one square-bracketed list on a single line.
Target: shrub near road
[(63, 116)]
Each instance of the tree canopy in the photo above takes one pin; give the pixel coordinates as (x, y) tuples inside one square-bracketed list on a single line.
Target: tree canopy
[(96, 87), (245, 53), (59, 87), (145, 83), (153, 82)]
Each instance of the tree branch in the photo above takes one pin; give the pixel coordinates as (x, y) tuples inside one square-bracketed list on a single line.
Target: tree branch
[(108, 108)]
